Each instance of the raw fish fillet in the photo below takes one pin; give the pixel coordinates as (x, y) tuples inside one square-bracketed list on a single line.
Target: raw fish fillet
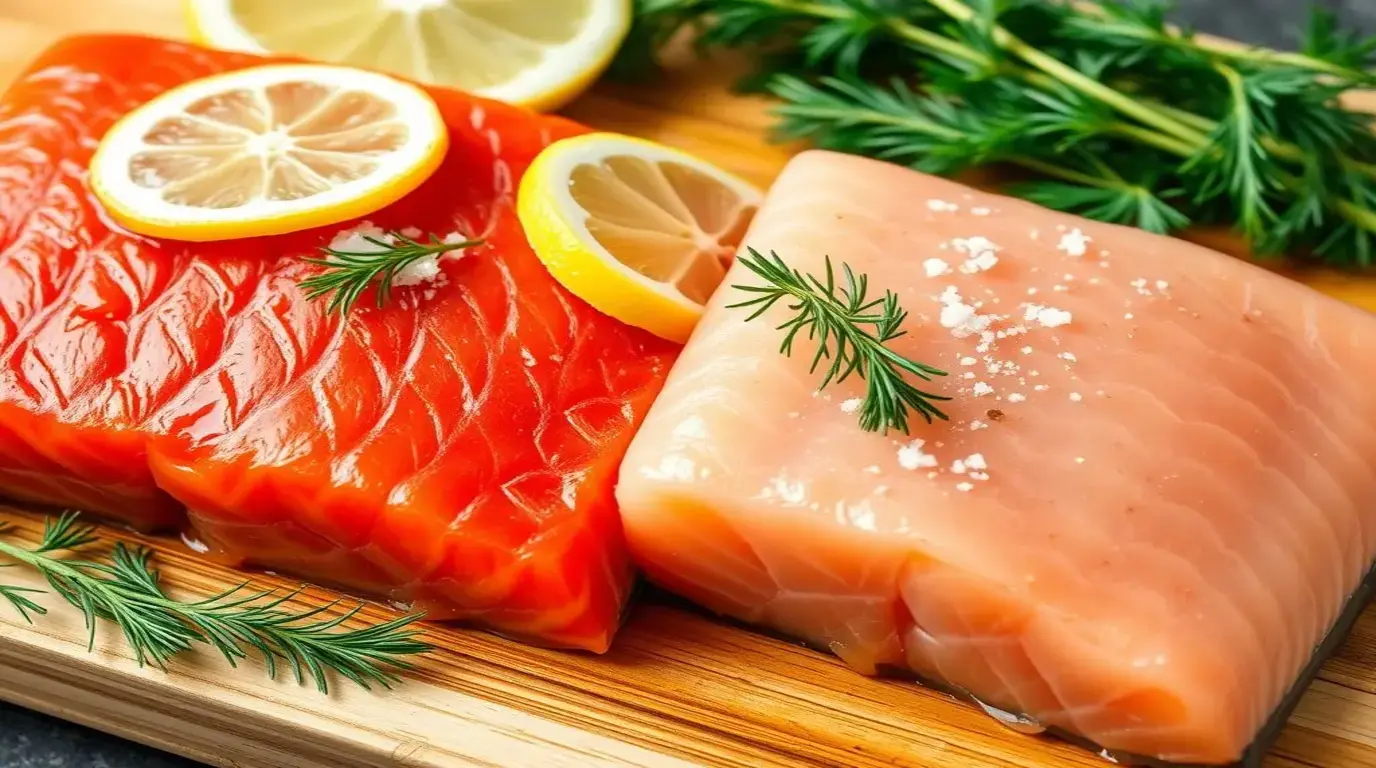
[(457, 449), (1155, 491)]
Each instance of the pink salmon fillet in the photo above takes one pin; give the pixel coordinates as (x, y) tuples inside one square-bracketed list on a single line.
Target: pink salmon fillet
[(1154, 493)]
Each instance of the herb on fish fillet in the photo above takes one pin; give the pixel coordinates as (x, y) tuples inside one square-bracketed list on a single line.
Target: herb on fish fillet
[(349, 273), (127, 591), (851, 331), (1118, 116)]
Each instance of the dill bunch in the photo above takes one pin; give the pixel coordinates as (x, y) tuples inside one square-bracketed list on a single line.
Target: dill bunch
[(128, 592), (1114, 114)]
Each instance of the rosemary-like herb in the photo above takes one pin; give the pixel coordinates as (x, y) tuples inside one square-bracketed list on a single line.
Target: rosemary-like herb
[(348, 274), (127, 591), (1119, 116), (851, 331)]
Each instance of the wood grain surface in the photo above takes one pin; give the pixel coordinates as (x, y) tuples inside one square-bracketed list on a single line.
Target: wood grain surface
[(678, 689)]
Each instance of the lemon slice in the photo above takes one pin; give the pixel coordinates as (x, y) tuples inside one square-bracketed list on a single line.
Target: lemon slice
[(642, 232), (535, 53), (267, 150)]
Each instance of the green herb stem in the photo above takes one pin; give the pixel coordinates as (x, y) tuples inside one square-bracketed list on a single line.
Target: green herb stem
[(127, 591), (851, 331)]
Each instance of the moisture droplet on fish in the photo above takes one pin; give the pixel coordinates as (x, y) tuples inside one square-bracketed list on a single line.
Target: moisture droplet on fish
[(1019, 723)]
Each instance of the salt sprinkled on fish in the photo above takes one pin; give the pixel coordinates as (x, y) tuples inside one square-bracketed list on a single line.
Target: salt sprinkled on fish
[(936, 267), (911, 456)]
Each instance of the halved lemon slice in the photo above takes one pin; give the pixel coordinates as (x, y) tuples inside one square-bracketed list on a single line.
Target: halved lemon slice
[(267, 150), (536, 53), (642, 232)]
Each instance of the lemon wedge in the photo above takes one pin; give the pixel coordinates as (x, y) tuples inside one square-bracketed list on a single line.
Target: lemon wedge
[(536, 53), (267, 150), (642, 232)]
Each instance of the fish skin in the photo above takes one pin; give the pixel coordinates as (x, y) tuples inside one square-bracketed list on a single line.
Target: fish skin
[(1166, 531), (456, 449)]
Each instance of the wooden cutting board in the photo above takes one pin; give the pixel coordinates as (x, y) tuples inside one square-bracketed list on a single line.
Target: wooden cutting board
[(678, 689)]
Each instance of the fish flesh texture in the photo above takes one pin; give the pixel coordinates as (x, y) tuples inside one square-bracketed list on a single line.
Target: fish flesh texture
[(1155, 490), (457, 448)]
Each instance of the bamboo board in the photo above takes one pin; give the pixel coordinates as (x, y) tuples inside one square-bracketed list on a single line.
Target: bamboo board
[(677, 690)]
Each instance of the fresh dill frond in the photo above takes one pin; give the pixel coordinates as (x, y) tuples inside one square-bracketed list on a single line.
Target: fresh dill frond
[(1127, 118), (851, 331), (128, 592), (348, 274)]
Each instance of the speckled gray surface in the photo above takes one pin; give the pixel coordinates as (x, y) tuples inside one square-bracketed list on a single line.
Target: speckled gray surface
[(29, 740)]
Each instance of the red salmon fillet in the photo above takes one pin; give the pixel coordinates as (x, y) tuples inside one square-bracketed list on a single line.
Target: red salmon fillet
[(1152, 498), (457, 448)]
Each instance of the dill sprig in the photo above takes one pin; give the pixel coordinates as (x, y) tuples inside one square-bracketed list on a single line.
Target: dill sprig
[(348, 274), (851, 331), (1117, 115), (127, 591)]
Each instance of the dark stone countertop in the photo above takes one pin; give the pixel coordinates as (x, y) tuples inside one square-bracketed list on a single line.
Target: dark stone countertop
[(29, 740)]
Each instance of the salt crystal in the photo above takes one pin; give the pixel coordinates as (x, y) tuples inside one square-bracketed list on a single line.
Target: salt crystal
[(1067, 356), (872, 469), (422, 270), (1076, 397), (1059, 288), (528, 358), (968, 375), (981, 263), (1048, 317), (851, 406), (967, 361), (1162, 285), (958, 467), (982, 389), (911, 456), (977, 424), (1041, 388), (936, 267), (976, 461), (941, 206), (1017, 397), (965, 487), (1031, 291), (1075, 243), (1128, 316), (1079, 459), (979, 475), (1027, 350), (980, 211)]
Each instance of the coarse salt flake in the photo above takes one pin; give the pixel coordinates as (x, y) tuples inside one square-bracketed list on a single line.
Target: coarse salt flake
[(977, 424), (965, 487), (941, 206), (1048, 317), (976, 461), (911, 456), (851, 406), (1067, 356), (1027, 350), (1076, 397), (982, 389), (1017, 397), (967, 361), (1075, 243), (936, 267), (958, 467)]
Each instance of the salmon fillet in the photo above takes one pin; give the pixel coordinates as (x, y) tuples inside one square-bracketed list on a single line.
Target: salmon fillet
[(1156, 489), (457, 449)]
